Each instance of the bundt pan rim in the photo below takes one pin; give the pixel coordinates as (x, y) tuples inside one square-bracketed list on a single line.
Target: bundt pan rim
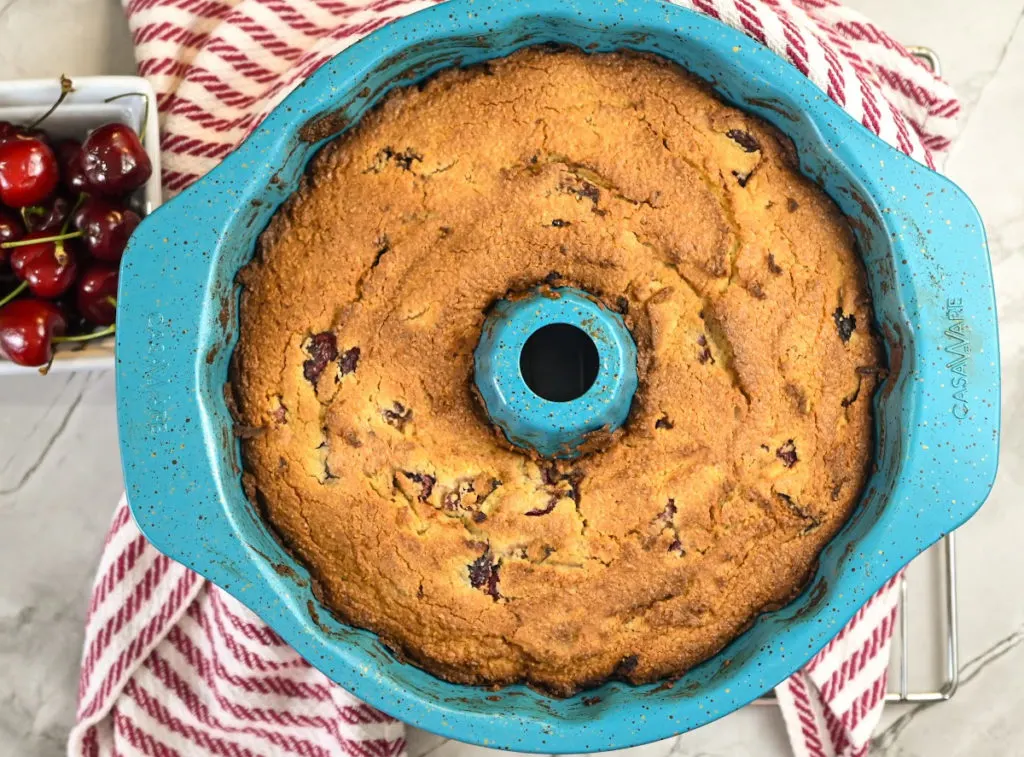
[(937, 414)]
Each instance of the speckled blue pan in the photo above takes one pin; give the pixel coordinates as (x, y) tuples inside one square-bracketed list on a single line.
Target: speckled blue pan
[(938, 413)]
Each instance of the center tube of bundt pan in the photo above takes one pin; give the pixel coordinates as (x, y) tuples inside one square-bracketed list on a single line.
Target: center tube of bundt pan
[(554, 367)]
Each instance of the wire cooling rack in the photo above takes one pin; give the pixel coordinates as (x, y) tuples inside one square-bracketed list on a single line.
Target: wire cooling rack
[(932, 673), (941, 619)]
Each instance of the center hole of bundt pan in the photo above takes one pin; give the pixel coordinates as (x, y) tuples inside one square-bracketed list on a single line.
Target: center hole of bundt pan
[(559, 362), (555, 366)]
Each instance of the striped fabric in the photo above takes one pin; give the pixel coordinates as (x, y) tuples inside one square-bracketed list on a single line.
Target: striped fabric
[(219, 66), (832, 706), (174, 666)]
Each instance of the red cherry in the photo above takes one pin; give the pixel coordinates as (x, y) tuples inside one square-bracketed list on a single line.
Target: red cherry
[(10, 131), (49, 215), (114, 160), (72, 174), (11, 230), (28, 172), (39, 267), (27, 329), (105, 227), (96, 293)]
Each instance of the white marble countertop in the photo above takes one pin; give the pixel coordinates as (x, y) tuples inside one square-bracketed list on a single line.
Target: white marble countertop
[(60, 474)]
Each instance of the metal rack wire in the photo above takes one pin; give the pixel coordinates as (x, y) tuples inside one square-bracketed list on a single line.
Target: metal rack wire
[(946, 626), (942, 620)]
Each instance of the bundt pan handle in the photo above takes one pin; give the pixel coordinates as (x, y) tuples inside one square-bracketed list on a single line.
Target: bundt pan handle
[(937, 412)]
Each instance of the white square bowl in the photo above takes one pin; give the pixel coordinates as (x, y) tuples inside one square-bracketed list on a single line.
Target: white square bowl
[(21, 102)]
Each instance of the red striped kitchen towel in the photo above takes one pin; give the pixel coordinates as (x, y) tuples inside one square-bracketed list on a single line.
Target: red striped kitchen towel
[(174, 666)]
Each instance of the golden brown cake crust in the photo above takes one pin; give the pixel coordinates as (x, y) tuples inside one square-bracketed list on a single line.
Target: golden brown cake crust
[(748, 441)]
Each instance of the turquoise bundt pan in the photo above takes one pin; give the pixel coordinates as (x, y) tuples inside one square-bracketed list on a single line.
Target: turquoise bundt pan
[(938, 412)]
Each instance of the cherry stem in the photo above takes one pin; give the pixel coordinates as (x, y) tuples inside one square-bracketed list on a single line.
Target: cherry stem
[(58, 251), (66, 88), (112, 301), (82, 197), (31, 210), (40, 240), (85, 337), (145, 110), (11, 295)]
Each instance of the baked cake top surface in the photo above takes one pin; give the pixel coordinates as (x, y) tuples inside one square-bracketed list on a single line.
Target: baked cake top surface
[(749, 437)]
